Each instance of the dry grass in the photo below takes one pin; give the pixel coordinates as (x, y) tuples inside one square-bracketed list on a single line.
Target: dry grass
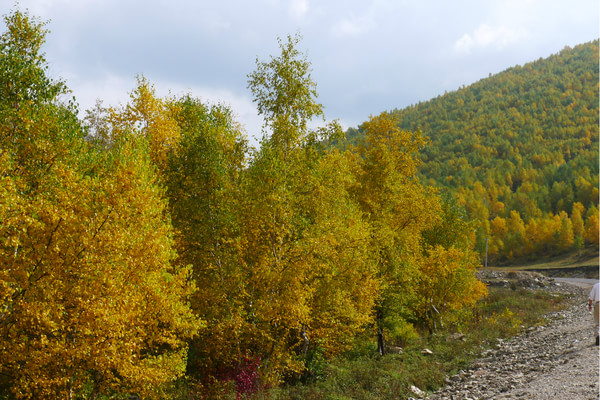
[(585, 258)]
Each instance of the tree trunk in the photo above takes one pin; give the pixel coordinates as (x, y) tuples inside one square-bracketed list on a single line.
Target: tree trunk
[(380, 342)]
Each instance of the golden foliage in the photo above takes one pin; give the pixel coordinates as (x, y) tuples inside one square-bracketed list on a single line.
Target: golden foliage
[(447, 283), (156, 244), (90, 303)]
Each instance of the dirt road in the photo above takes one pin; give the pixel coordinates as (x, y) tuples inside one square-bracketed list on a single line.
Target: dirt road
[(558, 361)]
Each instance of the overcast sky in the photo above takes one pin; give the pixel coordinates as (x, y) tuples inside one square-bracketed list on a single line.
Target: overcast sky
[(367, 56)]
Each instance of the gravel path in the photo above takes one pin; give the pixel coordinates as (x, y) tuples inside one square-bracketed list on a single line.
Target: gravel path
[(558, 361)]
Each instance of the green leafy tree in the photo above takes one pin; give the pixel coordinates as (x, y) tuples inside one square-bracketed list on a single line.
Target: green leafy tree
[(204, 182), (285, 94), (307, 289)]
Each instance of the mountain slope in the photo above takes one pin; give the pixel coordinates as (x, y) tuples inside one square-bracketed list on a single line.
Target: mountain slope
[(519, 147)]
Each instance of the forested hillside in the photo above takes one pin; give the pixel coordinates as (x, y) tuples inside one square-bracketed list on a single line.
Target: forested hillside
[(520, 150)]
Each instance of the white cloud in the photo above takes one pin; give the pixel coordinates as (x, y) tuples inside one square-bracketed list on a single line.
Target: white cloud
[(112, 89), (298, 8), (355, 27), (414, 47), (486, 36)]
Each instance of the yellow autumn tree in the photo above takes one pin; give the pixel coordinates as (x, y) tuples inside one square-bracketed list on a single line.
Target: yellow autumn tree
[(90, 302), (515, 239), (578, 225), (305, 251), (448, 281), (564, 237), (498, 232), (306, 287), (591, 226), (397, 208), (343, 278), (146, 114), (276, 244)]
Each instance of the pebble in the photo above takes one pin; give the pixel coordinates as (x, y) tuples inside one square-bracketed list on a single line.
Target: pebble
[(538, 364)]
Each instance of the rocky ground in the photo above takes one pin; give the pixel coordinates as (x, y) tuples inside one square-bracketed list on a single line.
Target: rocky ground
[(558, 361)]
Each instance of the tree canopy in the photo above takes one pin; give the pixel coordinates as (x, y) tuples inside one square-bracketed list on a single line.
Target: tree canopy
[(148, 247), (90, 301)]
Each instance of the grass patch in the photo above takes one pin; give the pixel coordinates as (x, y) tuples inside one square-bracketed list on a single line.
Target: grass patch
[(571, 260), (362, 374)]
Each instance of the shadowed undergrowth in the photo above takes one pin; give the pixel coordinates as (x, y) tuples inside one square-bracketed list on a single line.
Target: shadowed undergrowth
[(362, 374)]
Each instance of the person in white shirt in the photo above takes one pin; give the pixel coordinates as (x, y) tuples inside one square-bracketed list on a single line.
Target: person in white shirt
[(593, 300)]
